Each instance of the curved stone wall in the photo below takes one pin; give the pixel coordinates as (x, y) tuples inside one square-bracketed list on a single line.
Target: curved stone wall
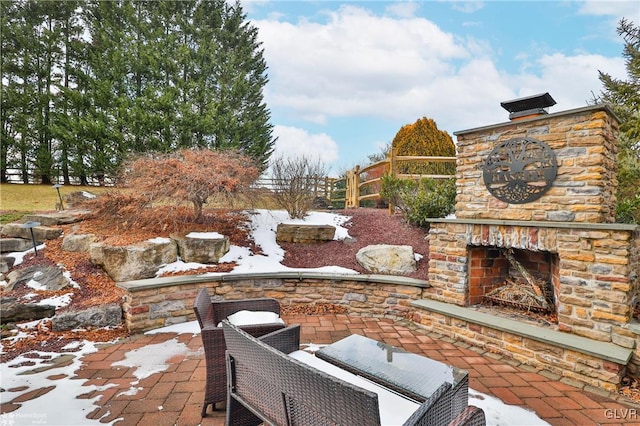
[(158, 302)]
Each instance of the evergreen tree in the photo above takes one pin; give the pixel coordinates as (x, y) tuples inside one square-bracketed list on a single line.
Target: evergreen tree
[(151, 76), (10, 95), (624, 98), (241, 115), (425, 139)]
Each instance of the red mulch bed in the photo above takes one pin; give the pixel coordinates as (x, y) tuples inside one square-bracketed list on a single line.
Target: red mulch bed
[(366, 227)]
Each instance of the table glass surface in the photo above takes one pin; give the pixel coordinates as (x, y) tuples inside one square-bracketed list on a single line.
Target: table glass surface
[(411, 374)]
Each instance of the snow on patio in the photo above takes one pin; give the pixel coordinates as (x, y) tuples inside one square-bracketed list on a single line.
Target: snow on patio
[(48, 393)]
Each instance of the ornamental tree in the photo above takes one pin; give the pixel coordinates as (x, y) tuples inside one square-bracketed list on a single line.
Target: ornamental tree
[(425, 139), (190, 176)]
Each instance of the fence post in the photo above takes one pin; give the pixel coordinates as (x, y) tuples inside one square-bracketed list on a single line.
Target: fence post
[(356, 187), (352, 193), (392, 174)]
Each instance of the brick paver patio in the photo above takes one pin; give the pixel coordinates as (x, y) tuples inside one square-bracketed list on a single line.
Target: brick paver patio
[(174, 396)]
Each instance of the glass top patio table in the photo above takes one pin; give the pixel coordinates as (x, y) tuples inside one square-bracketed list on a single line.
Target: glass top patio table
[(412, 375)]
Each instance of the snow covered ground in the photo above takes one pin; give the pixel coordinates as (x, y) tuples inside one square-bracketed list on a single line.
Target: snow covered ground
[(60, 405)]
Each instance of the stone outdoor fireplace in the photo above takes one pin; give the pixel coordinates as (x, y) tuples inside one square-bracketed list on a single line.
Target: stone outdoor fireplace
[(540, 190)]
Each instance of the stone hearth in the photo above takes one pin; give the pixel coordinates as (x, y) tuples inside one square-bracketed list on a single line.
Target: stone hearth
[(592, 261)]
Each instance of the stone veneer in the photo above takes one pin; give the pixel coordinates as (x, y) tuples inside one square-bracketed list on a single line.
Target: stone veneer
[(585, 144), (158, 302), (597, 260), (597, 268)]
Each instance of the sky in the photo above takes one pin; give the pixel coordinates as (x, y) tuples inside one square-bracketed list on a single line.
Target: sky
[(60, 406), (345, 76)]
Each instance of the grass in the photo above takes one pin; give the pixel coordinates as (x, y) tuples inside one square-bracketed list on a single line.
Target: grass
[(16, 200)]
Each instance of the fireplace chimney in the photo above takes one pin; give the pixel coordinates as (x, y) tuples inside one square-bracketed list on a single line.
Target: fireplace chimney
[(529, 106)]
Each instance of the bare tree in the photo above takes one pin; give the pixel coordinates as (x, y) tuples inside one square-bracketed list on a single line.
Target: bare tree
[(295, 183)]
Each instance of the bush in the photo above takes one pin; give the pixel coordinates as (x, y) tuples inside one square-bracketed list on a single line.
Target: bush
[(420, 200), (628, 210), (294, 184), (189, 176)]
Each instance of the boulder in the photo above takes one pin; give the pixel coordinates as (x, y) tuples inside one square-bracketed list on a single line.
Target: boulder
[(201, 247), (387, 259), (41, 233), (304, 233), (134, 262), (39, 277), (78, 242), (10, 245), (13, 311), (6, 263), (52, 219), (94, 317)]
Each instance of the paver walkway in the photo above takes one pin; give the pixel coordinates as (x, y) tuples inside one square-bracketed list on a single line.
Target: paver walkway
[(174, 397)]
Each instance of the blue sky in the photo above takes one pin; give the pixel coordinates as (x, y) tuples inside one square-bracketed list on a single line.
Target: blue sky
[(346, 75)]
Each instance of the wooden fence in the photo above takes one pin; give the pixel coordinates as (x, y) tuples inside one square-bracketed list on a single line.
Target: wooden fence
[(320, 186), (357, 179)]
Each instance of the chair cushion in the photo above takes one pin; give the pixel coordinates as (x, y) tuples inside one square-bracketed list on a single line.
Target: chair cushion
[(394, 408), (241, 318)]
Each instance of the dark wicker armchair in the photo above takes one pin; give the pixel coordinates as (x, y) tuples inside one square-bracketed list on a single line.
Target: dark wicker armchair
[(268, 386), (209, 315)]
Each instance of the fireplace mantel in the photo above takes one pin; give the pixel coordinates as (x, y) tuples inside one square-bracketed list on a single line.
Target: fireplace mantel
[(541, 224)]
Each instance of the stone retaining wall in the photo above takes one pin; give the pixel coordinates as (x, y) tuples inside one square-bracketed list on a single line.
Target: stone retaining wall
[(160, 302)]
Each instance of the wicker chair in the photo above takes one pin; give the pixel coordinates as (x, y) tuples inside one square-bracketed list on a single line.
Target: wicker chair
[(268, 386), (209, 315)]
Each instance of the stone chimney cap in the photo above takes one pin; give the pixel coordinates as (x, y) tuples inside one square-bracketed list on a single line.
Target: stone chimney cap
[(529, 105)]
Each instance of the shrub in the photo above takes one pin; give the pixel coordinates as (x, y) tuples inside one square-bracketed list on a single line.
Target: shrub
[(420, 200), (628, 210), (295, 180), (190, 176)]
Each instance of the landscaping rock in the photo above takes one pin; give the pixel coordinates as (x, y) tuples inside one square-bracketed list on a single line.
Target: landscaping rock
[(13, 311), (41, 233), (9, 245), (201, 247), (78, 242), (39, 277), (387, 259), (52, 219), (94, 317), (134, 262), (6, 263), (301, 233)]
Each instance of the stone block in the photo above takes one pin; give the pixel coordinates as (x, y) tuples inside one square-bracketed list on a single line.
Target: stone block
[(9, 245), (302, 233), (387, 259), (201, 247), (78, 242), (40, 233), (97, 316), (134, 262)]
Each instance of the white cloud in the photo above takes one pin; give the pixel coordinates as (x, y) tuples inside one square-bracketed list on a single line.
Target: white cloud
[(628, 8), (293, 142), (405, 9), (355, 63), (467, 6)]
